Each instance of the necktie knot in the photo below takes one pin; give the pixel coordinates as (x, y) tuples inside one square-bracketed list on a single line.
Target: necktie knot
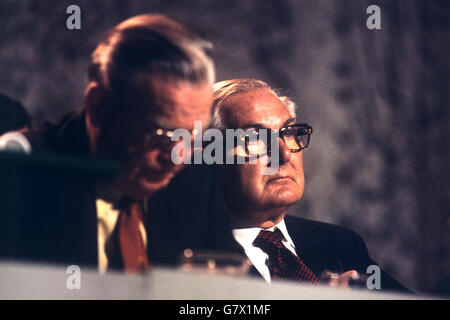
[(134, 210), (267, 240), (127, 205), (282, 263)]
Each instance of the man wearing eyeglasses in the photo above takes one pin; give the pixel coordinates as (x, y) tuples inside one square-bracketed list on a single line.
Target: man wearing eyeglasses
[(148, 76), (280, 246)]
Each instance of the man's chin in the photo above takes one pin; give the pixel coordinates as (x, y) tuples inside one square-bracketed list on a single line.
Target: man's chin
[(288, 191), (145, 188), (284, 198), (150, 187)]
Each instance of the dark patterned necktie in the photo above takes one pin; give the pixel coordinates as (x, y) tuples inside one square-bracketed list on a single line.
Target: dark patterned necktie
[(283, 264)]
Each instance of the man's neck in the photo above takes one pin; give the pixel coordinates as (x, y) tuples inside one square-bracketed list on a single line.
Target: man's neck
[(270, 223), (274, 218), (108, 193)]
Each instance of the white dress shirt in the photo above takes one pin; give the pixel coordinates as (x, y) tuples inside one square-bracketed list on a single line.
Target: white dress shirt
[(246, 236), (107, 218)]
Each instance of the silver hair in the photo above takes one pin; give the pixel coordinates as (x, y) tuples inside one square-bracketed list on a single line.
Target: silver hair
[(224, 90), (151, 44)]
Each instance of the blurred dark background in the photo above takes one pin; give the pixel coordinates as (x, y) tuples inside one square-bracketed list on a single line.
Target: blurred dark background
[(377, 100)]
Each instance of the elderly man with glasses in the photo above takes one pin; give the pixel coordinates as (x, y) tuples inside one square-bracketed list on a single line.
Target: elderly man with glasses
[(280, 246), (148, 75)]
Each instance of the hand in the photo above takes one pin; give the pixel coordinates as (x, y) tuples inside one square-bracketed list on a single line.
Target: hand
[(339, 280)]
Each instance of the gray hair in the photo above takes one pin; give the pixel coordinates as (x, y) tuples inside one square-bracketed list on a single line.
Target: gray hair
[(150, 44), (224, 90)]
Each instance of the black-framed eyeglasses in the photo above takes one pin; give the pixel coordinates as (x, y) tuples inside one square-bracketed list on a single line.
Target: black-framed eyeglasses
[(159, 137), (295, 136)]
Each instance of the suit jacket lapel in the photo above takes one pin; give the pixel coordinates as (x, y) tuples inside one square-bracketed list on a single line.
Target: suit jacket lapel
[(311, 249)]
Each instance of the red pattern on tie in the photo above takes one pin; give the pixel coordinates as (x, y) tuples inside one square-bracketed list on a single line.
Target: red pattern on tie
[(283, 264)]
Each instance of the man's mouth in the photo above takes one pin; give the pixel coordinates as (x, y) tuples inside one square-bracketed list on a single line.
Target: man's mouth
[(279, 178), (156, 176)]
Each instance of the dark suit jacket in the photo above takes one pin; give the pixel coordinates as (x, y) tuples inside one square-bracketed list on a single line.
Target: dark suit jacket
[(55, 218), (323, 246)]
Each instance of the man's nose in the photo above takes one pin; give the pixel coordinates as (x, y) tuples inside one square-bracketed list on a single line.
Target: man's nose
[(171, 154), (284, 151), (157, 158), (165, 153)]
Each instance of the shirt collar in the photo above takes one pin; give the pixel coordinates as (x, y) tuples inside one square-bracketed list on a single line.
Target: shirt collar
[(246, 236)]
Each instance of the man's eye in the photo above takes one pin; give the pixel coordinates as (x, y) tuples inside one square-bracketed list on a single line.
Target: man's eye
[(253, 135), (288, 133)]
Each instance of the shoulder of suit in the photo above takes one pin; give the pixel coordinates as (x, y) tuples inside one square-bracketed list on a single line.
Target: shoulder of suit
[(51, 137), (318, 228)]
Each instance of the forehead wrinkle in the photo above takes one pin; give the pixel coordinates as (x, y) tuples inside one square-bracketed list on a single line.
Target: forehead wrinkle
[(180, 100), (251, 107)]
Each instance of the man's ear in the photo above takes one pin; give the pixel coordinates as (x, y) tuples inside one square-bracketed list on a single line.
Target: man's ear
[(94, 103)]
